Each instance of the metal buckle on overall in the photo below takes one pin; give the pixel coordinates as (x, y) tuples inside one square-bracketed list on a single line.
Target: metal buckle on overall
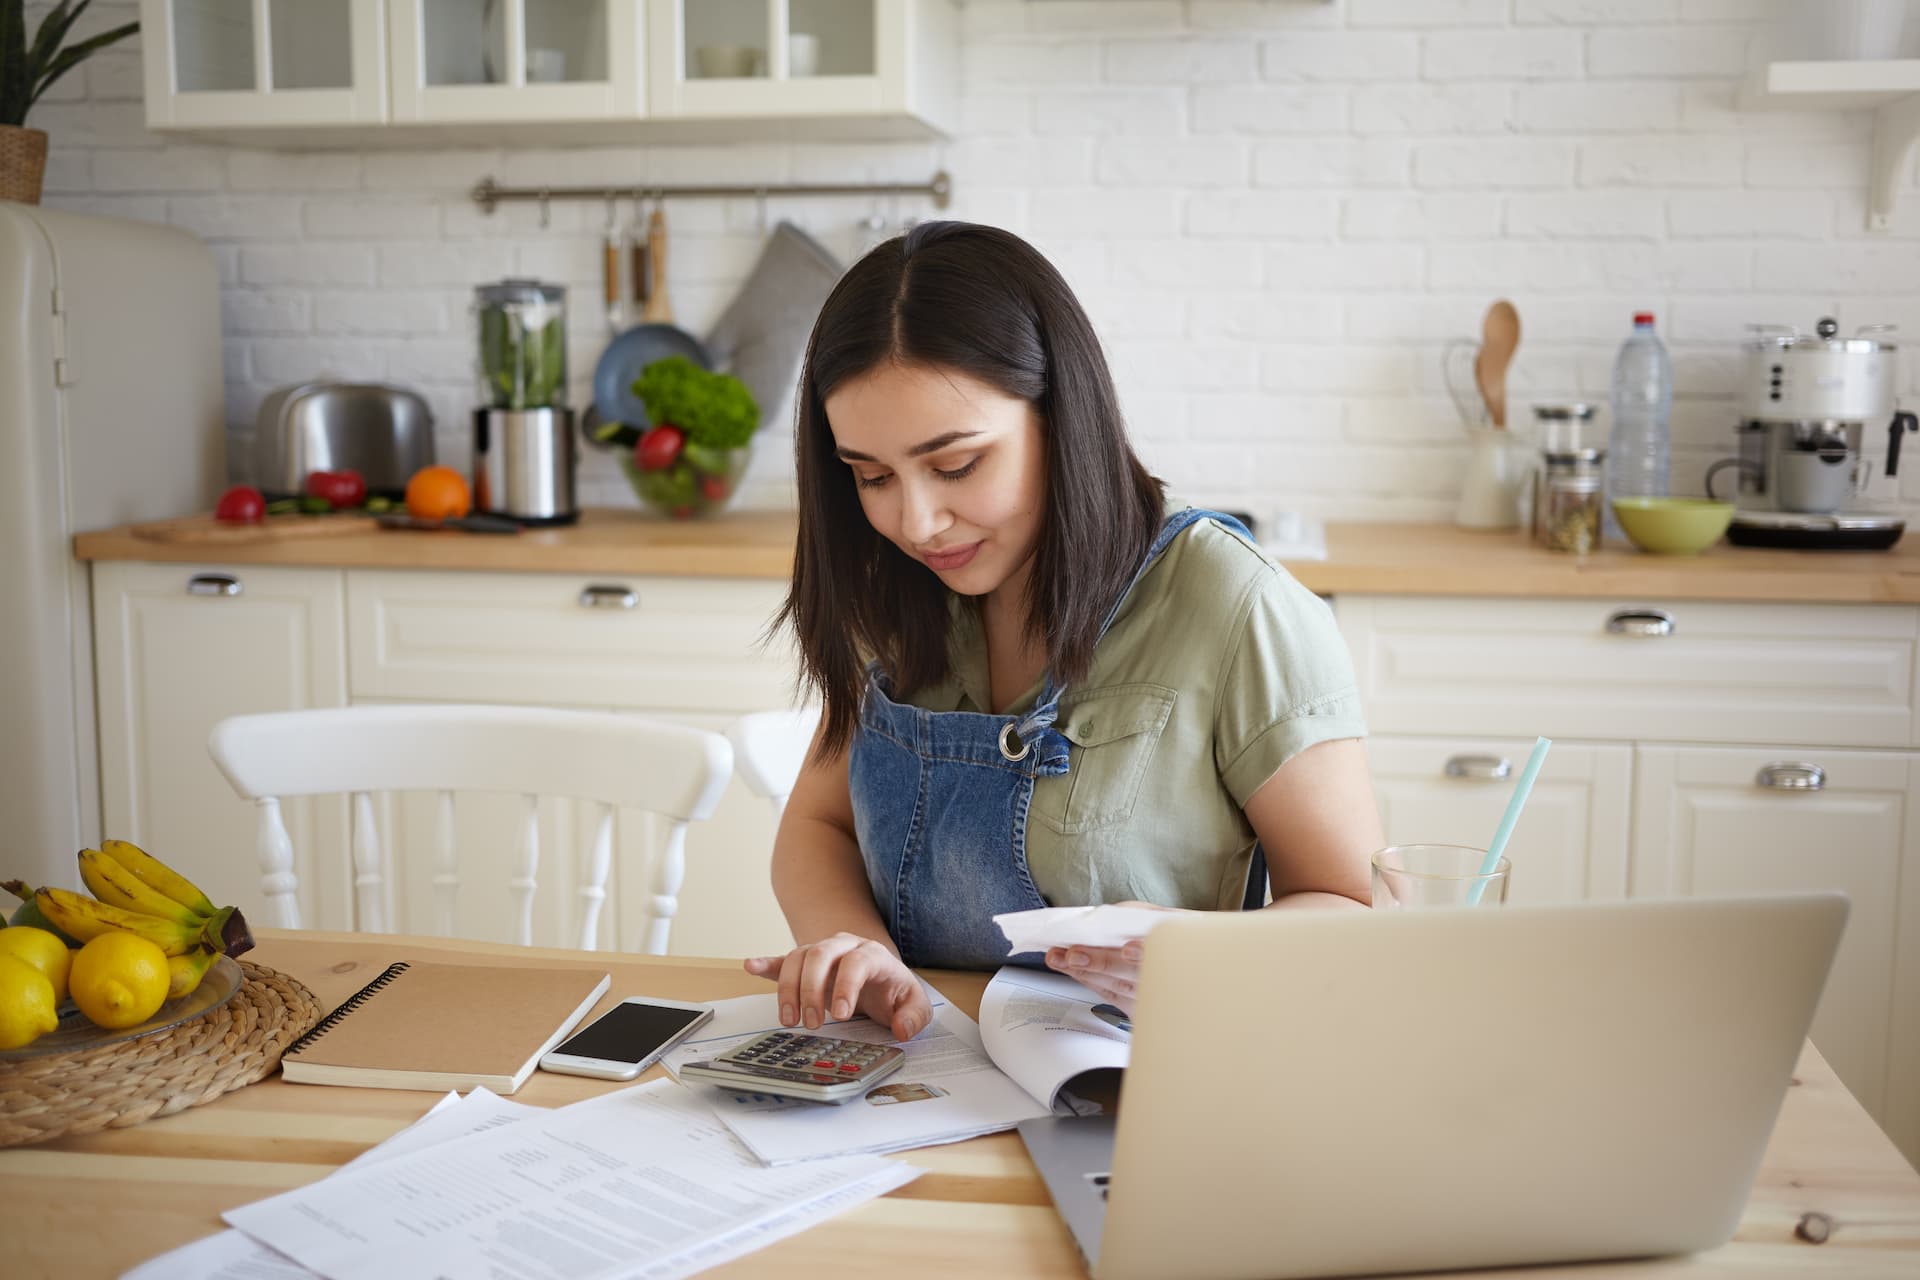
[(1006, 732)]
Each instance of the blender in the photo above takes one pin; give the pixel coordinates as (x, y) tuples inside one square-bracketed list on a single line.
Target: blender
[(523, 448)]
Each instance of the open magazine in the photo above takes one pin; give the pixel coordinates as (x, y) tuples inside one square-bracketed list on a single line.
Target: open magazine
[(961, 1079), (1046, 1031)]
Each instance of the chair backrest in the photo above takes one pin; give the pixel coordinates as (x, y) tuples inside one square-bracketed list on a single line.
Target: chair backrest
[(768, 749), (613, 760)]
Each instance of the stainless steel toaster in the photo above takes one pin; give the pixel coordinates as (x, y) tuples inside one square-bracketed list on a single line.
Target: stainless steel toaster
[(385, 433)]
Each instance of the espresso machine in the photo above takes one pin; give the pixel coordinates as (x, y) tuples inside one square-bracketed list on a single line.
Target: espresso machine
[(1811, 407)]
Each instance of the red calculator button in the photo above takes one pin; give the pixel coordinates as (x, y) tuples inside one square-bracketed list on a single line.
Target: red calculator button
[(851, 1068), (825, 1063)]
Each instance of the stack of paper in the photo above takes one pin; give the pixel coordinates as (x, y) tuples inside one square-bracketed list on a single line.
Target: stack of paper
[(1105, 926), (639, 1183), (948, 1089)]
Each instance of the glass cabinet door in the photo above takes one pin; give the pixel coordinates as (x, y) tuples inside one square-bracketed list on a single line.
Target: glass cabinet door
[(516, 60), (252, 63), (761, 57)]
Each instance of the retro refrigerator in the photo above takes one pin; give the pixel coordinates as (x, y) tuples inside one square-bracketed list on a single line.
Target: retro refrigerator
[(111, 411)]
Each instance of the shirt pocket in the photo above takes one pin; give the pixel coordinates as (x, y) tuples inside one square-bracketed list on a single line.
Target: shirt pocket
[(1112, 733)]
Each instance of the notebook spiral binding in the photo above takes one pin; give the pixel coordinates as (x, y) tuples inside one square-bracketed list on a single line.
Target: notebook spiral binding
[(347, 1006)]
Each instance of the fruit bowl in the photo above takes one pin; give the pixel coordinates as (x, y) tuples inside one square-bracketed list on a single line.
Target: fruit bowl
[(75, 1033), (1672, 526), (698, 482)]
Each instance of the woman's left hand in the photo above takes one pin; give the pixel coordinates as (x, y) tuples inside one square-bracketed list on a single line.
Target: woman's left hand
[(1112, 972)]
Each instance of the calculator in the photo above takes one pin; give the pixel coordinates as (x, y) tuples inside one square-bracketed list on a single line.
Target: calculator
[(794, 1064)]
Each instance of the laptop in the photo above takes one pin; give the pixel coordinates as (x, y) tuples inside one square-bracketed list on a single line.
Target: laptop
[(1321, 1094)]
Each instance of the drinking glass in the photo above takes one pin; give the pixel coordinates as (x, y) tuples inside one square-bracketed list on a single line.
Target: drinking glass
[(1436, 875)]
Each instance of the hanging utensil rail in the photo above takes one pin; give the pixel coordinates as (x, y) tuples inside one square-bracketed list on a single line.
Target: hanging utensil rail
[(487, 193)]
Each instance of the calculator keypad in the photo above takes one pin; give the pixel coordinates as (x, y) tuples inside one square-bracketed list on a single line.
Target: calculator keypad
[(811, 1055)]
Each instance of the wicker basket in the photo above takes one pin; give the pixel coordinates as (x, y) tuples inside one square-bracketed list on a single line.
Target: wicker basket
[(129, 1081), (23, 163)]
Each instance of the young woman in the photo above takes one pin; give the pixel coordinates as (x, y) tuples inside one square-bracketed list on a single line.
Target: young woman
[(1038, 685)]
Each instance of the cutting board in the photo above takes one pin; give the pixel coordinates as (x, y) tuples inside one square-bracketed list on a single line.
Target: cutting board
[(205, 530)]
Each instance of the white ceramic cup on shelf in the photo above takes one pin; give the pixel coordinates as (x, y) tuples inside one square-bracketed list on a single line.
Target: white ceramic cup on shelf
[(803, 55), (546, 66)]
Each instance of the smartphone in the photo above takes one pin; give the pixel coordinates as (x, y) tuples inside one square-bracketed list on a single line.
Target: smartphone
[(625, 1040)]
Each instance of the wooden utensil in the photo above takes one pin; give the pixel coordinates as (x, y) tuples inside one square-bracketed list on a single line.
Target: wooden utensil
[(1500, 336), (205, 529), (659, 309)]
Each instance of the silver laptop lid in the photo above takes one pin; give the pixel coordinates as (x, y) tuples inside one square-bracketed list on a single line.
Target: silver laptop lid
[(1330, 1093)]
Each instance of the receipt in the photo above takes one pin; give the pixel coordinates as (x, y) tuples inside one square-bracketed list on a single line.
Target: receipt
[(1105, 926)]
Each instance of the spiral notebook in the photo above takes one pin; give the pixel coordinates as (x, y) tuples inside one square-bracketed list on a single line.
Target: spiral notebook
[(444, 1026)]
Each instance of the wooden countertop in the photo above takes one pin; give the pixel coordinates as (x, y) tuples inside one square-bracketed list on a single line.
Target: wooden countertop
[(95, 1205), (1380, 559)]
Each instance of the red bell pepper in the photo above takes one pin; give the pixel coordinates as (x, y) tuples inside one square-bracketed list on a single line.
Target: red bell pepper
[(340, 489)]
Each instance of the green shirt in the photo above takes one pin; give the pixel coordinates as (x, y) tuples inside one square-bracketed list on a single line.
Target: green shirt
[(1218, 669)]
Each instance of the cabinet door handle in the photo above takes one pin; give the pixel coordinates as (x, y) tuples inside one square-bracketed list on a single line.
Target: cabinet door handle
[(1641, 622), (1488, 768), (599, 596), (1786, 775), (213, 584)]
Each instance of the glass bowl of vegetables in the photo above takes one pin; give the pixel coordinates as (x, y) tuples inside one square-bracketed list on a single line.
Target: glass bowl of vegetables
[(690, 460)]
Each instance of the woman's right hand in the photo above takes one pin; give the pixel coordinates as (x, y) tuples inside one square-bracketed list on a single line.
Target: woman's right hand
[(833, 977)]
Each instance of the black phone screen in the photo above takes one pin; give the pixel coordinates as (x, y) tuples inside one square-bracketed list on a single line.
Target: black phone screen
[(629, 1032)]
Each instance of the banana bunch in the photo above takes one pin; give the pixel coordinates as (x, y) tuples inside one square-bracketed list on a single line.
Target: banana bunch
[(136, 893)]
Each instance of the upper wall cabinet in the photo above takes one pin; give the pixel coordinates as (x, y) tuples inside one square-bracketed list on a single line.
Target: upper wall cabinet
[(219, 64), (515, 61), (401, 72), (873, 59)]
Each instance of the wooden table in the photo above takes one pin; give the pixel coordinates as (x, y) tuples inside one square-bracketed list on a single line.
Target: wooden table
[(96, 1205)]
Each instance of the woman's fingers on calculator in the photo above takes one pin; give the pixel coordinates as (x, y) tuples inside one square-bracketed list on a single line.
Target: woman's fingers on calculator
[(899, 1003)]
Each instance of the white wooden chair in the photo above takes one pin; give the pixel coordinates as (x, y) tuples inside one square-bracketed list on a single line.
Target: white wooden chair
[(768, 749), (614, 760)]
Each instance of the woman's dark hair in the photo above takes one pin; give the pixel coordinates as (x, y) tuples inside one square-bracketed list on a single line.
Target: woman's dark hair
[(954, 295)]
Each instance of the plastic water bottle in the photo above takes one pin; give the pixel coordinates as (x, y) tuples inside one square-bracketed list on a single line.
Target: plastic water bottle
[(1639, 446)]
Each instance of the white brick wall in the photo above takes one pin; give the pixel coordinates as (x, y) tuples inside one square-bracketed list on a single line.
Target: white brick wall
[(1279, 213)]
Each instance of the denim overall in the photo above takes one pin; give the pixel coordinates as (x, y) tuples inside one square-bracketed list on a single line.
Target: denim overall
[(940, 804)]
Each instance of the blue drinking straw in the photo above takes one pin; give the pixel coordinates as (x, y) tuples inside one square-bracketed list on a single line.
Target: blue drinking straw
[(1509, 819)]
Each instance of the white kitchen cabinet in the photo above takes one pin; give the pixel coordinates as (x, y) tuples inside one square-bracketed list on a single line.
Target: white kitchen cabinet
[(1669, 671), (256, 64), (516, 61), (1702, 696), (873, 59), (407, 72), (1570, 844), (178, 648), (1729, 820)]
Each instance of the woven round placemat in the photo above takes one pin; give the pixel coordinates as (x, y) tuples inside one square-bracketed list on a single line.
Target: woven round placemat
[(121, 1084)]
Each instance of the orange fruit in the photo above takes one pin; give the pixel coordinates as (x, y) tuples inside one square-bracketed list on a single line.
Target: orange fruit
[(438, 493)]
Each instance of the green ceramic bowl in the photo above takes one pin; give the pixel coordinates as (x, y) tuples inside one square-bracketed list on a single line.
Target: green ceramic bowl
[(1672, 526)]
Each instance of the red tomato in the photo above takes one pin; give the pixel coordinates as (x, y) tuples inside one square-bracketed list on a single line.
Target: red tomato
[(341, 489), (659, 447), (242, 504), (713, 488)]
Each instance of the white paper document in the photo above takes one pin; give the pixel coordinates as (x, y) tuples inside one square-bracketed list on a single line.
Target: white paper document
[(638, 1183), (948, 1089), (1041, 1029), (234, 1255), (1104, 926)]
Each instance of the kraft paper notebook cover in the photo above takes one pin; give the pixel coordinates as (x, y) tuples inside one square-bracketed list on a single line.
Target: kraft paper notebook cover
[(444, 1026)]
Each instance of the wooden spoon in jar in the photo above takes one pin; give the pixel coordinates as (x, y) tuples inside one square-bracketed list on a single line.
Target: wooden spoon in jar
[(1500, 336)]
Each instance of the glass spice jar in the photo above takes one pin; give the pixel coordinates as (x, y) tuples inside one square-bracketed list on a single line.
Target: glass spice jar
[(1568, 510), (1568, 494)]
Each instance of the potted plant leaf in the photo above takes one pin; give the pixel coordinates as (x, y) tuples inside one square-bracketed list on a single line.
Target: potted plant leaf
[(28, 70)]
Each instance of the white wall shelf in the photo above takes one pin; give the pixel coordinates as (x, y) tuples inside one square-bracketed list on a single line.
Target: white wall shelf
[(1890, 88)]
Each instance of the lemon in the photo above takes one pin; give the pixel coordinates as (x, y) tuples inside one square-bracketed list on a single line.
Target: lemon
[(119, 979), (43, 951), (26, 1004)]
